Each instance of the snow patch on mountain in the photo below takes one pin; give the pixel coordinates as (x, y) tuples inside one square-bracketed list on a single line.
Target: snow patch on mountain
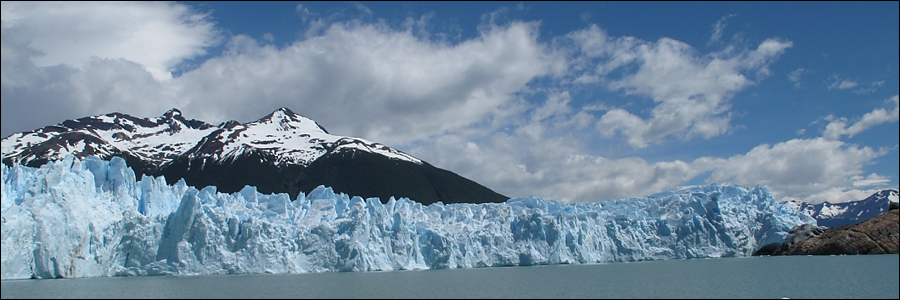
[(291, 138)]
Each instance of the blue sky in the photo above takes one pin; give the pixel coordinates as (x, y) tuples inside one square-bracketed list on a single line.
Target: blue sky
[(575, 101)]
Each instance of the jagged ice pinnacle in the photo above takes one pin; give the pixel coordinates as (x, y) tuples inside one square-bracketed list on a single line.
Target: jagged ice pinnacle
[(73, 218)]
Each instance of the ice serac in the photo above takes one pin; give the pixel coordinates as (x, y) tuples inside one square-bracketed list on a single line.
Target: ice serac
[(90, 218)]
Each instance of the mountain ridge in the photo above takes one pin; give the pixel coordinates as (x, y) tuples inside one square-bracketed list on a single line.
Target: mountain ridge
[(833, 215), (274, 153)]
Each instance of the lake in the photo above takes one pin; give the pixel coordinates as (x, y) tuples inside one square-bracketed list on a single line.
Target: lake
[(862, 276)]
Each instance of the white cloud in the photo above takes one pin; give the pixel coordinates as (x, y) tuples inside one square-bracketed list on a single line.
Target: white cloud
[(871, 180), (844, 84), (544, 160), (372, 81), (836, 82), (841, 84), (839, 194), (419, 27), (691, 91), (41, 96), (363, 8), (268, 37), (67, 60), (838, 127), (718, 28), (556, 104), (461, 106), (303, 12), (497, 16), (156, 35), (798, 169), (535, 159), (585, 16), (795, 75), (546, 157), (356, 79), (870, 88)]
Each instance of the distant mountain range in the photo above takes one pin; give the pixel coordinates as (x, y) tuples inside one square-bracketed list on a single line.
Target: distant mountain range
[(838, 214), (282, 152)]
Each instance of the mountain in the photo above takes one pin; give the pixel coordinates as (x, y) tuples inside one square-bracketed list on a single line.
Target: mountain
[(838, 214), (282, 152), (151, 142)]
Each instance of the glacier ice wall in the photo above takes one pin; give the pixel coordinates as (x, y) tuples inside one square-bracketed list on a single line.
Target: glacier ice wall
[(90, 218)]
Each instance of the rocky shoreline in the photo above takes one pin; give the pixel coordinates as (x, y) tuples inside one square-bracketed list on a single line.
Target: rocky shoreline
[(878, 235)]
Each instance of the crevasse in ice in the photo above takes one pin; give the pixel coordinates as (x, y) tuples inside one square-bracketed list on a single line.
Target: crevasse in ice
[(90, 218)]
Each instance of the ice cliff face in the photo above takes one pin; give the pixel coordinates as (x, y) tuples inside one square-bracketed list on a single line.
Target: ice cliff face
[(89, 218)]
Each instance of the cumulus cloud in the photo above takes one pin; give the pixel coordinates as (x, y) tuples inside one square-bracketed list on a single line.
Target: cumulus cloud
[(469, 106), (691, 91), (372, 81), (838, 127), (539, 159), (798, 169), (156, 35), (811, 170), (67, 60), (358, 79), (559, 167), (41, 96), (545, 156), (552, 161)]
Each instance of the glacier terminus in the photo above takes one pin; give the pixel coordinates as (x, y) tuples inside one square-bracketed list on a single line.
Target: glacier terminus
[(89, 218)]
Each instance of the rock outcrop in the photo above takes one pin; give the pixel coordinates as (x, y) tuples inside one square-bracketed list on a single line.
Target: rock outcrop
[(878, 235)]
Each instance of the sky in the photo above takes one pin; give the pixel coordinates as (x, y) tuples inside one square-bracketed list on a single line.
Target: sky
[(571, 101)]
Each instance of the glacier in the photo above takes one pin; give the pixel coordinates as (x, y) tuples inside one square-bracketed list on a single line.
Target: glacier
[(91, 217)]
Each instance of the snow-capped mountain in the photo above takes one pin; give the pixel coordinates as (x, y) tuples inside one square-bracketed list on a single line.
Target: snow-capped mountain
[(838, 214), (288, 137), (281, 152), (154, 141)]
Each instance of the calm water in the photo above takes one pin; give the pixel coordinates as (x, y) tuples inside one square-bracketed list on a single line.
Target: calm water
[(864, 276)]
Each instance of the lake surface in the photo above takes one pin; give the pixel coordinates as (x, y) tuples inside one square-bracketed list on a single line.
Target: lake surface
[(862, 276)]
